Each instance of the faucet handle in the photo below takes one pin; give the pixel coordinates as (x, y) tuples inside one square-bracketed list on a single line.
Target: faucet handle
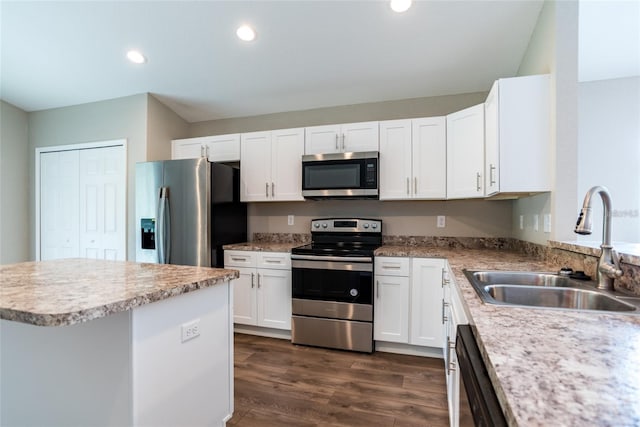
[(610, 270), (616, 262)]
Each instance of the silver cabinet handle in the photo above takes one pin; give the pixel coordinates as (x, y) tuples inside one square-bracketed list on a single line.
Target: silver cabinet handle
[(445, 277), (478, 176), (407, 186), (415, 185), (444, 318), (258, 280), (492, 170), (451, 346), (343, 145), (273, 190), (252, 283), (337, 141), (377, 289), (266, 189)]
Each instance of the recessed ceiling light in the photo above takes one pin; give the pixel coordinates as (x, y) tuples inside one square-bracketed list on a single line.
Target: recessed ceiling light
[(246, 33), (136, 57), (400, 5)]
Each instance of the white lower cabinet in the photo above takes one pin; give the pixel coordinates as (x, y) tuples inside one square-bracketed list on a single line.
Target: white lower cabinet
[(391, 302), (454, 315), (408, 301), (262, 293)]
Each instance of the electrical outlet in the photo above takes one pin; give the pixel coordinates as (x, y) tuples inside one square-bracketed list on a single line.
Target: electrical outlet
[(190, 330), (536, 222), (546, 223), (521, 222), (440, 221), (290, 219)]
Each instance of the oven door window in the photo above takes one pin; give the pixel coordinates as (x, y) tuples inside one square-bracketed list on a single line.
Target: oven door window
[(333, 285), (328, 175)]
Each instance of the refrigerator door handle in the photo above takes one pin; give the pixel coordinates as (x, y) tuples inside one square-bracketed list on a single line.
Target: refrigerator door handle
[(164, 226)]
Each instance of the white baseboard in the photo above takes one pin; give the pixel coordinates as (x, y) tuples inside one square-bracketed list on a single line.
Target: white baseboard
[(263, 332), (412, 350)]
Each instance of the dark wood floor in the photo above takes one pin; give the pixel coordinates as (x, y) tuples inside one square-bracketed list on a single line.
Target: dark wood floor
[(280, 384)]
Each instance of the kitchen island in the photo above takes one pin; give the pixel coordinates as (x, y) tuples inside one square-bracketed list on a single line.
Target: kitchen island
[(89, 342), (548, 366)]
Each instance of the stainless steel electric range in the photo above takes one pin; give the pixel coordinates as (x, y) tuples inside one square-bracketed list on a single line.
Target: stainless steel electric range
[(332, 284)]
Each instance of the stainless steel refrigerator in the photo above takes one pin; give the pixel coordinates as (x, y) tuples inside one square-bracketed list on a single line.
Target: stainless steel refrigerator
[(186, 210)]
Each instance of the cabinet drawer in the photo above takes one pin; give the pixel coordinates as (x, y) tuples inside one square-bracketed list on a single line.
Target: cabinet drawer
[(276, 260), (392, 266), (239, 259)]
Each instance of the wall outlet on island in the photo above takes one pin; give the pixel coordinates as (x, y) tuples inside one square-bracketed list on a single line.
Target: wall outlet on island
[(289, 219), (190, 330), (440, 221)]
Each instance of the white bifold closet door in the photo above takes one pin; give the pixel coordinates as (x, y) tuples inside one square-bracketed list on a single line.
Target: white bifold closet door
[(83, 204)]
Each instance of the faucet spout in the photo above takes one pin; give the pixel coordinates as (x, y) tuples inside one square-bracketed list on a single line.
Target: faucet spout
[(608, 264)]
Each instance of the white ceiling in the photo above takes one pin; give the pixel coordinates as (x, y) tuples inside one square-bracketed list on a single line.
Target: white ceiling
[(307, 54)]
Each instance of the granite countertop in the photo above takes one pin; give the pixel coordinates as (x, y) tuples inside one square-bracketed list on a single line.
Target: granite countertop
[(68, 291), (548, 366), (262, 246)]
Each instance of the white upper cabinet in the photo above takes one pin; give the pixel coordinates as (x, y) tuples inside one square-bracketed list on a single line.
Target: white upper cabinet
[(345, 138), (465, 153), (271, 165), (219, 148), (413, 159), (518, 136)]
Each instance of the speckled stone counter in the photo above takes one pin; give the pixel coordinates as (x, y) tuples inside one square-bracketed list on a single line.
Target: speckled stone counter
[(549, 367), (262, 246), (68, 291)]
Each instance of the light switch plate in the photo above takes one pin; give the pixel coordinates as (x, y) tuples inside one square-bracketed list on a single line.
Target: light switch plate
[(536, 222), (290, 220), (546, 223), (441, 221), (521, 222)]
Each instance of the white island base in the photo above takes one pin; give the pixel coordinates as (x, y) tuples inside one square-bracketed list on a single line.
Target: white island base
[(130, 368)]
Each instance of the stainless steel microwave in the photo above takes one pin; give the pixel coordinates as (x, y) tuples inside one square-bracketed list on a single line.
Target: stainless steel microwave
[(340, 175)]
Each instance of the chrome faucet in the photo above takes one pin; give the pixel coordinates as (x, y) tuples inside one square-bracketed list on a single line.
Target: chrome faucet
[(608, 264)]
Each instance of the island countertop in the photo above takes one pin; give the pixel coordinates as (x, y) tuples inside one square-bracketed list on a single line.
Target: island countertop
[(68, 291), (548, 366)]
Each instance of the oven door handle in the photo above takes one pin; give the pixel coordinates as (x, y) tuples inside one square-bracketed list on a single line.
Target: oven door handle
[(332, 258), (331, 265)]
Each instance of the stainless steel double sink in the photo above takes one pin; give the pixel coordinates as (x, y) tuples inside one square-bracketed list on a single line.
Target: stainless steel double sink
[(540, 289)]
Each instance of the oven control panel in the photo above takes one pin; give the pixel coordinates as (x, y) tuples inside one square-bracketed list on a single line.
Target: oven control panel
[(347, 225)]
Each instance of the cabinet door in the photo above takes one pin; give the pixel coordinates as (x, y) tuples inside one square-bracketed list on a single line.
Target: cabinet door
[(427, 302), (255, 166), (492, 142), (244, 297), (286, 164), (359, 137), (391, 319), (274, 298), (429, 159), (322, 139), (396, 179), (190, 148), (223, 148), (465, 153)]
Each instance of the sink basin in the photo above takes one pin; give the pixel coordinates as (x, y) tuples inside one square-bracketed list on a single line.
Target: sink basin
[(541, 289), (523, 278), (580, 299)]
